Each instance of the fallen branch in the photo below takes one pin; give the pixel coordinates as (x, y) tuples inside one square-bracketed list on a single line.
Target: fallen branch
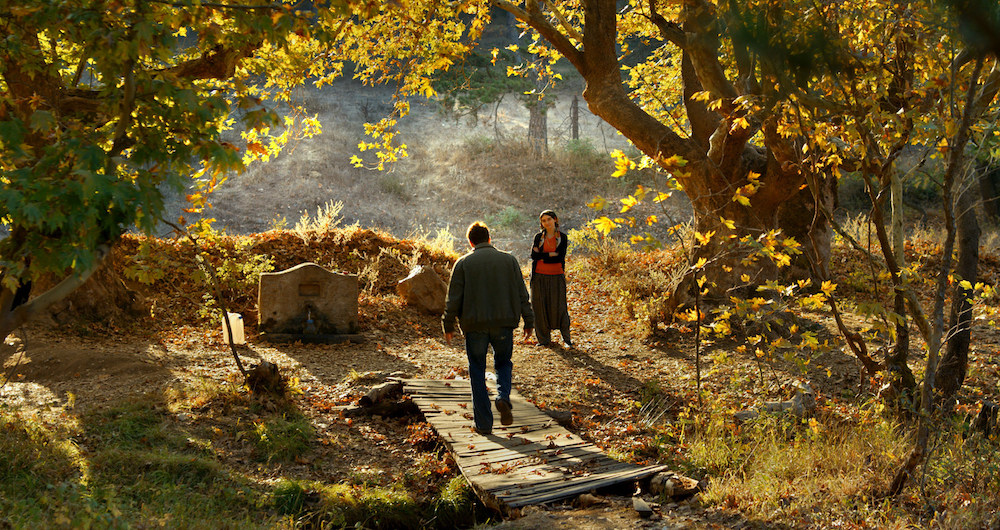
[(381, 392), (802, 405)]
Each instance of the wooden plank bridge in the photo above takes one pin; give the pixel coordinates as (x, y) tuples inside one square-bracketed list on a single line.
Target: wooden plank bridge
[(532, 461)]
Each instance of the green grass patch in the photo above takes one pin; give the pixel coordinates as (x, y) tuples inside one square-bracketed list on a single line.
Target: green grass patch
[(132, 424), (32, 457), (509, 218), (38, 471), (132, 470), (281, 438), (183, 489), (341, 505), (133, 464), (313, 504), (455, 506)]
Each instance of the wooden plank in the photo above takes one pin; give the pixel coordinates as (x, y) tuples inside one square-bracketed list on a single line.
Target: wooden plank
[(533, 461), (501, 452), (496, 451), (572, 488), (536, 482), (549, 488)]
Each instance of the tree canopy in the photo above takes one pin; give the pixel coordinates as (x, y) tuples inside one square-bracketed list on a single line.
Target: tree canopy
[(105, 105), (755, 108)]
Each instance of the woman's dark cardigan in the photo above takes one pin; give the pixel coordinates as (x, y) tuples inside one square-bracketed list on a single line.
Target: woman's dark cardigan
[(560, 257)]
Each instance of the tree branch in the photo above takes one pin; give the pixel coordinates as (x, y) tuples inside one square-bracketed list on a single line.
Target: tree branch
[(668, 30), (219, 63), (25, 312), (559, 41), (988, 92), (702, 44), (571, 32)]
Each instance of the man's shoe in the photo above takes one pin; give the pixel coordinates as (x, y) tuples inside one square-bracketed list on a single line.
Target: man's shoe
[(483, 432), (506, 418)]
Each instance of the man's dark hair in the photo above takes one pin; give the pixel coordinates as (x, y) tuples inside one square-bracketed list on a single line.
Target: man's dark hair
[(478, 233)]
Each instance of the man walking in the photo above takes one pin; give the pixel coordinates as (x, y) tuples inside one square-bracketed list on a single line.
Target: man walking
[(488, 297)]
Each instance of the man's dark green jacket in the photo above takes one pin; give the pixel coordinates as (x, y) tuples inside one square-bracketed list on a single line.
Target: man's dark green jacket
[(487, 291)]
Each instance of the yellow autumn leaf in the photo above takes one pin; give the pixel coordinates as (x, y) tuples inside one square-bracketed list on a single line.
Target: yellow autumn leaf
[(700, 263), (705, 238), (604, 225), (599, 203), (674, 161), (622, 165), (702, 96), (628, 203)]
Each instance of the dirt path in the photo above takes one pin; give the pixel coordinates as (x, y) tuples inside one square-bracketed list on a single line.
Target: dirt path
[(599, 381)]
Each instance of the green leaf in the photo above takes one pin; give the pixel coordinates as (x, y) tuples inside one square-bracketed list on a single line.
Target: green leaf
[(43, 121)]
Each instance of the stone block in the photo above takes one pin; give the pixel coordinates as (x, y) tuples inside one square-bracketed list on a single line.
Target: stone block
[(308, 300)]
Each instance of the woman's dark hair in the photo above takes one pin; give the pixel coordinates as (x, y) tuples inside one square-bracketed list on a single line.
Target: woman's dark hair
[(478, 233), (549, 213)]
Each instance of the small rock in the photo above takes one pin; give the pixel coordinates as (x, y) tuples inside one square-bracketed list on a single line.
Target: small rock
[(586, 499), (642, 507), (424, 289)]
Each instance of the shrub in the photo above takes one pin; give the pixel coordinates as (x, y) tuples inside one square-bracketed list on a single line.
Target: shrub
[(509, 218), (642, 281)]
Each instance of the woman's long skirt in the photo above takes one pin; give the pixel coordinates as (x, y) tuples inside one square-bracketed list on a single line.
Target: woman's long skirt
[(548, 301)]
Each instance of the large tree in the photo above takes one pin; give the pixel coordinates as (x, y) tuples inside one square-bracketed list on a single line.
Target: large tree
[(757, 107), (103, 104), (704, 103)]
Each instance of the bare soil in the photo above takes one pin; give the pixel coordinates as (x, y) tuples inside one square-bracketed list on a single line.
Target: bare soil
[(56, 374)]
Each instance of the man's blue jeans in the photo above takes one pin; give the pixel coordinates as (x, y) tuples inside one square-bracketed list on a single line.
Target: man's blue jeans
[(477, 344)]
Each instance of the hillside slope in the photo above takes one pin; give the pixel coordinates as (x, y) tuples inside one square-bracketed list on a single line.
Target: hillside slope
[(459, 169)]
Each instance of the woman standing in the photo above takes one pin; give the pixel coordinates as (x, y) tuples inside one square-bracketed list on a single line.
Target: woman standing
[(548, 280)]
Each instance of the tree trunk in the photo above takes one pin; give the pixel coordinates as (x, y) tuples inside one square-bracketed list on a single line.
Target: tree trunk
[(955, 361), (987, 177), (538, 128), (796, 217), (13, 316), (900, 376), (716, 157), (574, 116)]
